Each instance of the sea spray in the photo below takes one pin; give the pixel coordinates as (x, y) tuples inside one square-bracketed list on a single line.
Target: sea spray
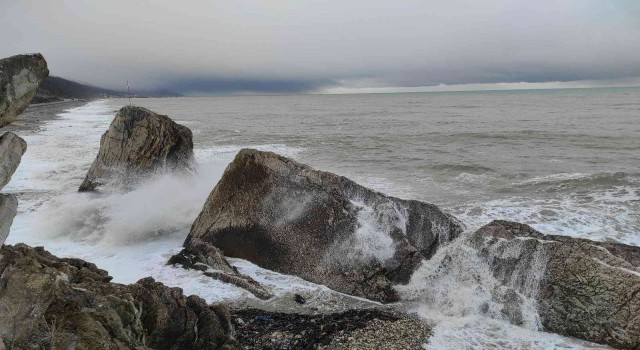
[(371, 240), (164, 205), (458, 282)]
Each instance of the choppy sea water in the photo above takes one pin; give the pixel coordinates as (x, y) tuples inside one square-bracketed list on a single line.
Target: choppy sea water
[(564, 161)]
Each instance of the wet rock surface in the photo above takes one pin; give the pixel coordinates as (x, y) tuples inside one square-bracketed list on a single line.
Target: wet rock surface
[(355, 329), (290, 218), (210, 260), (48, 302), (20, 77), (584, 289), (139, 143), (12, 147), (8, 210)]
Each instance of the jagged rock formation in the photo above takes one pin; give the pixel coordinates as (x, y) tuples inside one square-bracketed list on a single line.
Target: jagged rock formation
[(139, 143), (585, 289), (53, 303), (12, 147), (290, 218), (20, 77), (8, 210), (209, 259)]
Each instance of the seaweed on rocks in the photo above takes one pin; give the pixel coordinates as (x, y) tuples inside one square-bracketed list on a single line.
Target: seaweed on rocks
[(259, 329)]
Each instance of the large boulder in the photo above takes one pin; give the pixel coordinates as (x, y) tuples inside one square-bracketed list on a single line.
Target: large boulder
[(325, 228), (138, 144), (12, 147), (20, 77), (52, 303), (585, 289)]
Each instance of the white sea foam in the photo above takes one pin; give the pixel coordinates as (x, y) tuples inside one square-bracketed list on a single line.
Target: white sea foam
[(133, 234), (596, 217)]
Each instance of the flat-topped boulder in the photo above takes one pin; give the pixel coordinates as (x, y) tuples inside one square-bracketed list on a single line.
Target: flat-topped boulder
[(20, 77), (287, 217), (583, 288), (138, 144)]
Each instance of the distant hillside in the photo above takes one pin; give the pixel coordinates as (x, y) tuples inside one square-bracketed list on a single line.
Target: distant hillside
[(56, 89)]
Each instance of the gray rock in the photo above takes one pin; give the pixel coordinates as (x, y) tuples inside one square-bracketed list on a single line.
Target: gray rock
[(20, 77), (585, 289), (290, 218), (52, 303), (209, 259), (12, 147), (8, 210), (139, 144)]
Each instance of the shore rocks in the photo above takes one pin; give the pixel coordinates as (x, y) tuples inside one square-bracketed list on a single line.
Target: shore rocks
[(210, 260), (585, 289), (350, 330), (48, 302), (20, 77), (8, 210), (12, 147), (138, 144), (290, 218)]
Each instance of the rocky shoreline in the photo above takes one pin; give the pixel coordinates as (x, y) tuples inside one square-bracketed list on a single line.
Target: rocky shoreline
[(290, 218)]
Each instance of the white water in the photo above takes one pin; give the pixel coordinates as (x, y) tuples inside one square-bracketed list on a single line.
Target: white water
[(133, 234)]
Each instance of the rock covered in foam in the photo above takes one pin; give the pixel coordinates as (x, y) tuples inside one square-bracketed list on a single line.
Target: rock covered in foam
[(139, 143), (20, 77), (287, 217), (211, 261), (53, 303), (585, 289)]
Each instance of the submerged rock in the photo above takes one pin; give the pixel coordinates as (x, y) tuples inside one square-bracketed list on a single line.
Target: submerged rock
[(210, 260), (585, 289), (20, 77), (53, 303), (139, 143), (290, 218), (12, 147)]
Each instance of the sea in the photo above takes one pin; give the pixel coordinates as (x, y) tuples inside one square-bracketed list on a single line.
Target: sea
[(564, 161)]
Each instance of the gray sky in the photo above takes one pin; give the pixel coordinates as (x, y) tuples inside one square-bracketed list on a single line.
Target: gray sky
[(225, 46)]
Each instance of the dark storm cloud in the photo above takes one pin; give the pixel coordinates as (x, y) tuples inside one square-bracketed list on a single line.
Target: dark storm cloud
[(203, 85), (229, 46)]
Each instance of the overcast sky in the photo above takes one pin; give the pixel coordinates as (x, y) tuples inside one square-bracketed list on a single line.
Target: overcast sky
[(225, 46)]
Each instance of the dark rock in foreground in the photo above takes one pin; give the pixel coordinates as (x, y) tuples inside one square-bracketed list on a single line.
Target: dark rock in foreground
[(52, 303), (352, 330), (138, 144), (585, 289), (20, 77), (290, 218)]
